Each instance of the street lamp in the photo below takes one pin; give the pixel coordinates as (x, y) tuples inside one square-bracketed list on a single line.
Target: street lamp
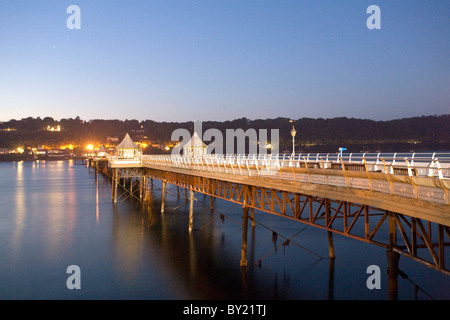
[(293, 132)]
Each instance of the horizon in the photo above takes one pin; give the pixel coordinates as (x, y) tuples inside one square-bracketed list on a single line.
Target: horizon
[(227, 120), (174, 61)]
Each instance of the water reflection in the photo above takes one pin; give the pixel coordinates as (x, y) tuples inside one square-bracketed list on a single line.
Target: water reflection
[(97, 207), (19, 208)]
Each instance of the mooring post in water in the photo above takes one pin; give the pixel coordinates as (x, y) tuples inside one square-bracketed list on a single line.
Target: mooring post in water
[(211, 202), (163, 196), (191, 209), (244, 235)]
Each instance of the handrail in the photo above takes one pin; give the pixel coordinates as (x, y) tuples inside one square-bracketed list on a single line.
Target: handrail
[(374, 172), (410, 165)]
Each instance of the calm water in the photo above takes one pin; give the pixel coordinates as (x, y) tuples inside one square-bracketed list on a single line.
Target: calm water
[(55, 214)]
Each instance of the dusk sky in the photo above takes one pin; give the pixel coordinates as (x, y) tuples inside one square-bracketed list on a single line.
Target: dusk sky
[(187, 60)]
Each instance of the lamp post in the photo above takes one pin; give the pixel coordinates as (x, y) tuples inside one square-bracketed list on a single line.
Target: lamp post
[(293, 132)]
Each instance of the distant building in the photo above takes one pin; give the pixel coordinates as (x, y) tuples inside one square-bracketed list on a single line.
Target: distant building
[(58, 154), (112, 140), (41, 150)]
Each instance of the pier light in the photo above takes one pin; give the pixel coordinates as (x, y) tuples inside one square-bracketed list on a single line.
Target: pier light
[(90, 147), (293, 133)]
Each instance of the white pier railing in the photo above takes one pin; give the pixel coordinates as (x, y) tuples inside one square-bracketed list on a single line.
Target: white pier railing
[(413, 175)]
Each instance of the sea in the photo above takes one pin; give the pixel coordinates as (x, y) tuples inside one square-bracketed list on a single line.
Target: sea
[(62, 238)]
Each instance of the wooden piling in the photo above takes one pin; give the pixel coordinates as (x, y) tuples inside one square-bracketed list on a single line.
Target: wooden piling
[(140, 188), (330, 234), (392, 271), (116, 178), (244, 236), (112, 185), (331, 245), (392, 230), (191, 209), (163, 196)]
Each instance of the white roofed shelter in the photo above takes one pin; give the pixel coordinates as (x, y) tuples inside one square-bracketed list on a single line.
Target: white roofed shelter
[(102, 151), (195, 147), (127, 149)]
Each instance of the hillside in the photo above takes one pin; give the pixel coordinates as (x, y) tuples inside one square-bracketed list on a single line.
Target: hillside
[(313, 135)]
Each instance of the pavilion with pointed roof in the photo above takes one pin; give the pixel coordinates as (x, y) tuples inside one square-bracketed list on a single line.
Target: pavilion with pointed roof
[(127, 149), (101, 152), (194, 147)]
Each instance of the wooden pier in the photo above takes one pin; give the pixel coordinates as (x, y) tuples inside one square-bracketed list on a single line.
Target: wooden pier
[(416, 228)]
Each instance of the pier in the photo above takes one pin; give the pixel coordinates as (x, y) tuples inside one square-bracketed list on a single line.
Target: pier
[(399, 202)]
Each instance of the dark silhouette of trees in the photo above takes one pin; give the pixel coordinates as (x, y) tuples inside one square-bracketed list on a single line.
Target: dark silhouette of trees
[(325, 135)]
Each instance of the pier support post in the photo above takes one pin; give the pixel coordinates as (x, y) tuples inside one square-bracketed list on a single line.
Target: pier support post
[(392, 271), (244, 236), (252, 202), (140, 188), (191, 210), (331, 245), (116, 178), (144, 187), (211, 203), (112, 184), (252, 214), (163, 196), (392, 230), (131, 185), (330, 234)]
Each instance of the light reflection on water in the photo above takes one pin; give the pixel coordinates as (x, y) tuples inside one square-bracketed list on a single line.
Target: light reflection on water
[(55, 214)]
